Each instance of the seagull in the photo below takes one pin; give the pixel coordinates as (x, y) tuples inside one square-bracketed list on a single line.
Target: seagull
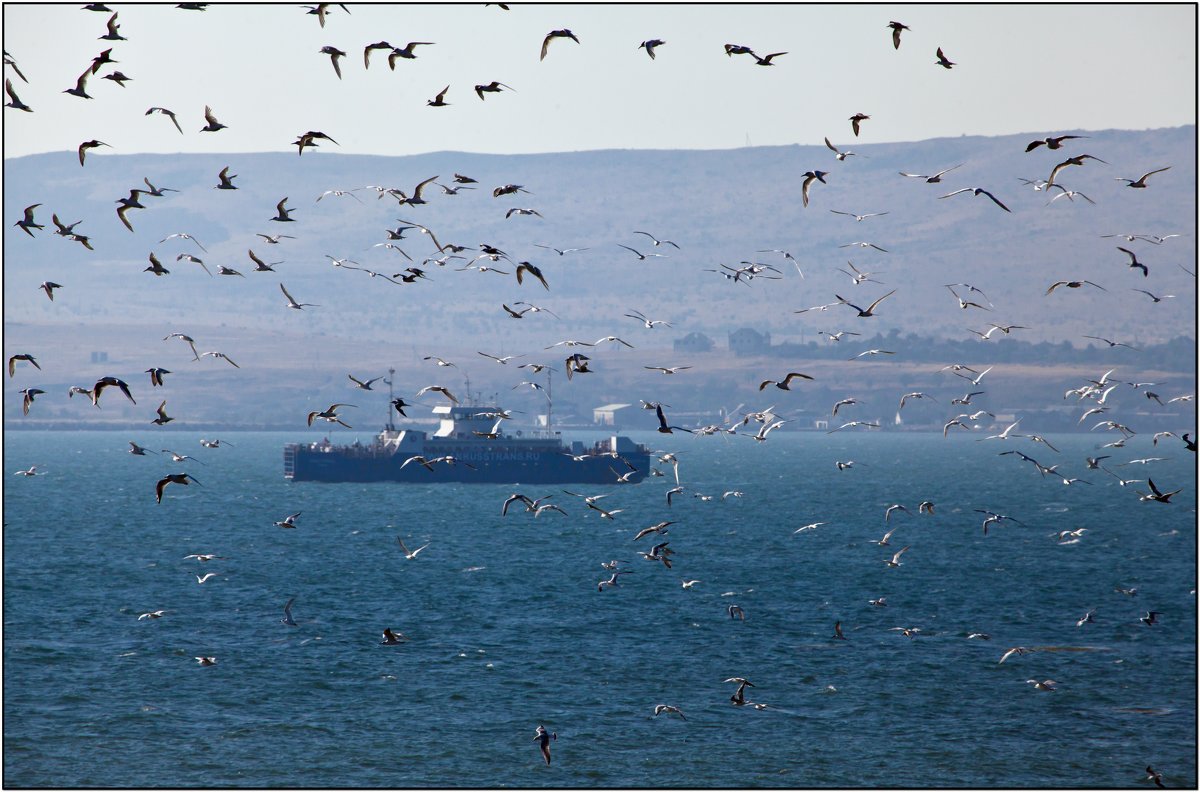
[(334, 53), (943, 61), (895, 560), (169, 114), (213, 124), (14, 101), (158, 614), (856, 120), (649, 47), (437, 389), (887, 515), (1153, 297), (363, 385), (1053, 143), (440, 99), (641, 256), (553, 34), (80, 88), (172, 478), (978, 191), (786, 382), (1046, 684), (809, 527), (1078, 160), (870, 310), (1068, 194), (32, 471), (226, 181), (858, 277), (206, 661), (330, 414), (410, 554), (841, 155), (282, 215), (292, 300), (287, 614), (12, 363), (541, 736), (221, 356), (809, 178), (1076, 285), (1155, 776), (375, 46), (1133, 261), (661, 708), (896, 28), (1140, 182), (27, 222), (736, 612), (863, 245), (935, 178), (766, 59), (1111, 344), (859, 217), (1156, 495), (404, 52), (392, 638), (138, 450), (667, 369), (89, 144), (493, 87), (837, 631), (289, 521)]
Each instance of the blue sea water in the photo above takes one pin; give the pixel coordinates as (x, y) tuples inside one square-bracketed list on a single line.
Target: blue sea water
[(507, 629)]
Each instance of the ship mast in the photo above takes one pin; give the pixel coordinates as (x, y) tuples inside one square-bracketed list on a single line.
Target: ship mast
[(549, 399), (391, 399)]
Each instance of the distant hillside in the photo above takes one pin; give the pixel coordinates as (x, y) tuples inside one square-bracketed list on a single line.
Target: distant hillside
[(720, 207)]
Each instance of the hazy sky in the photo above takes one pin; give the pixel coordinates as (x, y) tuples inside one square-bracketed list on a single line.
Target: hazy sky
[(1025, 68)]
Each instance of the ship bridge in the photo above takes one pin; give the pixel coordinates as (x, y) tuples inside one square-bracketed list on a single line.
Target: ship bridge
[(458, 422)]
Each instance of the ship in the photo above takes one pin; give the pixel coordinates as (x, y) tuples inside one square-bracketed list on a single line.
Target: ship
[(469, 446)]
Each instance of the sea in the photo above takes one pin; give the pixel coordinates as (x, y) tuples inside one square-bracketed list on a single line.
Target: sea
[(506, 629)]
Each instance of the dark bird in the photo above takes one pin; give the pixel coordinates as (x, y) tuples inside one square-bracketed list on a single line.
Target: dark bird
[(856, 120), (786, 382), (80, 88), (168, 114), (1068, 162), (113, 27), (1052, 143), (1075, 285), (27, 223), (321, 10), (226, 182), (160, 192), (29, 394), (978, 191), (1157, 495), (896, 28), (525, 266), (809, 178), (14, 101), (334, 53), (399, 405), (404, 52), (656, 241), (943, 61), (100, 60), (156, 375), (662, 423), (375, 46), (213, 124), (837, 631), (172, 478), (1140, 182), (1133, 261), (1155, 776), (493, 87), (89, 144), (12, 363), (105, 382), (935, 178), (870, 310), (650, 45), (766, 59), (541, 736), (553, 34), (282, 215), (10, 61), (509, 189), (49, 287), (440, 99)]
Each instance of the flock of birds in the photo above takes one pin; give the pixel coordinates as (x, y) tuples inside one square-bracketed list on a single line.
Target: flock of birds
[(1092, 396)]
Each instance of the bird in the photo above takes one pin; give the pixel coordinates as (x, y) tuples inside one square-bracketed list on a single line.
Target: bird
[(80, 88), (1016, 650), (410, 554), (856, 120), (172, 478), (24, 357), (859, 217), (1046, 684), (108, 381), (89, 144), (1157, 495), (739, 695), (221, 356), (895, 559), (661, 708), (1140, 182), (168, 113), (334, 53), (541, 736), (330, 414), (212, 125), (517, 211), (14, 101), (736, 612), (206, 661), (1053, 143), (978, 191), (766, 59), (667, 369), (282, 215), (785, 383), (437, 389), (405, 52), (493, 87), (809, 178), (292, 300), (226, 181), (656, 241), (1150, 619), (1133, 261), (525, 266), (1155, 776), (289, 521), (869, 310), (158, 614), (49, 287), (156, 375), (553, 34), (440, 99), (896, 28), (1076, 285), (935, 178), (27, 223), (1153, 297), (943, 61), (642, 256), (392, 638), (649, 46), (841, 155)]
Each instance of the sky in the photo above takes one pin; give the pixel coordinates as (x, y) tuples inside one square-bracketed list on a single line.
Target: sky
[(1020, 68)]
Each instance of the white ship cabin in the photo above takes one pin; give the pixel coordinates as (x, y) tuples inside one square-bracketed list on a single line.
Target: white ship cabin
[(458, 422)]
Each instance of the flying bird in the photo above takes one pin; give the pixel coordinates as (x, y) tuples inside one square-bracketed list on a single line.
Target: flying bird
[(896, 28), (1140, 182), (292, 300), (935, 178), (213, 124), (14, 101), (856, 121), (649, 47), (553, 34), (493, 87), (1053, 143), (440, 99), (869, 310), (809, 178), (943, 61), (334, 53), (978, 191)]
